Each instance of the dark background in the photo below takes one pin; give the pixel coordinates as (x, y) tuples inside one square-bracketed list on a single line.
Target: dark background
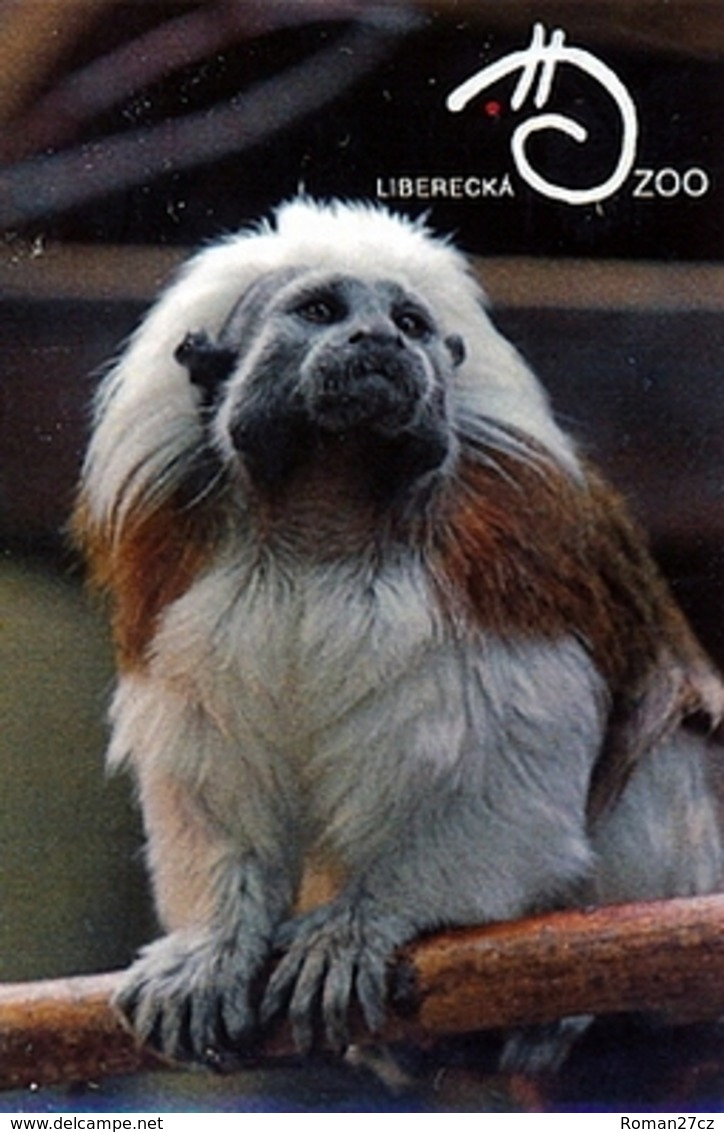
[(392, 122)]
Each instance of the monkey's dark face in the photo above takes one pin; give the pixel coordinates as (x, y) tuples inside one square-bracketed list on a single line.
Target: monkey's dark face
[(317, 360), (370, 355)]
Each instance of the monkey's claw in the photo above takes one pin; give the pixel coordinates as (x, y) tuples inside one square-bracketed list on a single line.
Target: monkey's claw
[(189, 997), (335, 956)]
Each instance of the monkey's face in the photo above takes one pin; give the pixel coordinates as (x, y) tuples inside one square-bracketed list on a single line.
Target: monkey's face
[(370, 355), (317, 360)]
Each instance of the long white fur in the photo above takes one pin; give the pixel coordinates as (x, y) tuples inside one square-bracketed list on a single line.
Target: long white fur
[(154, 415)]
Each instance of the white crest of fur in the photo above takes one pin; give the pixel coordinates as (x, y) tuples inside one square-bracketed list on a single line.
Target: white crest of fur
[(147, 415)]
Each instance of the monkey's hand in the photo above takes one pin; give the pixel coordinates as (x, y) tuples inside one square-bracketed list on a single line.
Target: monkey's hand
[(335, 956), (189, 995)]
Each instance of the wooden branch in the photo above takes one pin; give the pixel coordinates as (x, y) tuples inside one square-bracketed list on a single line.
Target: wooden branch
[(665, 957), (64, 1030)]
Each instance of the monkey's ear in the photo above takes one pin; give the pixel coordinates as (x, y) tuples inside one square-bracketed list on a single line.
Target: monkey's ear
[(208, 364), (456, 346)]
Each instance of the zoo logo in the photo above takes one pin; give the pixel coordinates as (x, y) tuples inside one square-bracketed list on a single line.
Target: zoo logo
[(540, 59)]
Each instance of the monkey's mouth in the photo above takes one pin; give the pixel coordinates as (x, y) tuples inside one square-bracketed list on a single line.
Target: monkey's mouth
[(379, 402), (377, 390)]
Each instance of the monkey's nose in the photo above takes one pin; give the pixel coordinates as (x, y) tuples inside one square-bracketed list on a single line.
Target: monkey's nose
[(376, 334)]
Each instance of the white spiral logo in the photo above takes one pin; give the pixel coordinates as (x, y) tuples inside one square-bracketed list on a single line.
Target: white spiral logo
[(541, 59)]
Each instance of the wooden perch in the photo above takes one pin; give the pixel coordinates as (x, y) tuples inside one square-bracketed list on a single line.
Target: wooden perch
[(666, 957)]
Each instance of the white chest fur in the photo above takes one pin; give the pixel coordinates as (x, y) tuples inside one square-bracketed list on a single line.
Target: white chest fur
[(351, 698), (294, 651)]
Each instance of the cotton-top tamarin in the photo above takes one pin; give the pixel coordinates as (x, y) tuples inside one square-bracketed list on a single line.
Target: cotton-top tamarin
[(371, 608)]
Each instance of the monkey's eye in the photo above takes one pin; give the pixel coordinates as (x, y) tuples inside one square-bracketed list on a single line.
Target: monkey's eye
[(322, 310), (413, 323)]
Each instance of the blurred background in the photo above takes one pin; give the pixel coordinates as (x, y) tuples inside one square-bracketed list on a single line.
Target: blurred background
[(132, 131)]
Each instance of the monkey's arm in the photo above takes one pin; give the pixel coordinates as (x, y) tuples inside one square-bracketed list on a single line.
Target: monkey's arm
[(223, 860), (486, 819)]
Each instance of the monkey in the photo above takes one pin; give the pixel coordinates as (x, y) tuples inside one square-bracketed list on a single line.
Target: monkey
[(372, 609)]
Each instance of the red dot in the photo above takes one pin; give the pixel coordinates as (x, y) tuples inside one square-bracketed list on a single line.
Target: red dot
[(493, 108)]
